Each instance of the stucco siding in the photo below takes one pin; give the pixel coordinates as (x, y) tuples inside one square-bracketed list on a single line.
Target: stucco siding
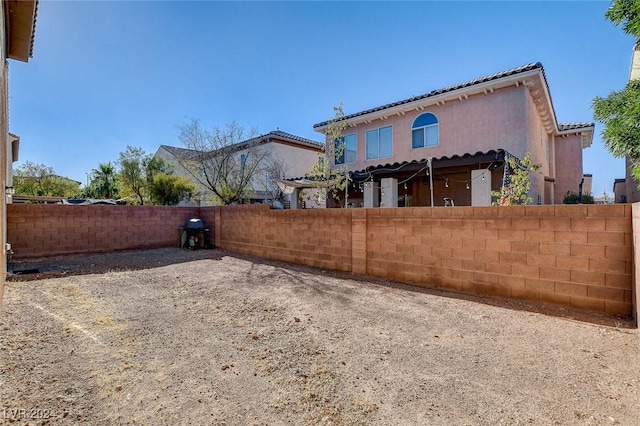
[(568, 165), (479, 123), (298, 160), (4, 133), (537, 145)]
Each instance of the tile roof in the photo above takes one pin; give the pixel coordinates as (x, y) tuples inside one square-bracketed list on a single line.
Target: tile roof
[(572, 126), (286, 135), (495, 154), (33, 32), (186, 153), (479, 80)]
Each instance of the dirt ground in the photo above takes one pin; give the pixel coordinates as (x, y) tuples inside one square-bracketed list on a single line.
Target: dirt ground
[(208, 337)]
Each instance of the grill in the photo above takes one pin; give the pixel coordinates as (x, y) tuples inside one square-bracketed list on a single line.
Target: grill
[(194, 234)]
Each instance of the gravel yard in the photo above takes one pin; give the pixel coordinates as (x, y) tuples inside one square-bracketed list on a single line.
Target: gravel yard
[(209, 337)]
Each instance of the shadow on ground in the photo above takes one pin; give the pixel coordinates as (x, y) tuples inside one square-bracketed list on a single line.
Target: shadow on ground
[(100, 263)]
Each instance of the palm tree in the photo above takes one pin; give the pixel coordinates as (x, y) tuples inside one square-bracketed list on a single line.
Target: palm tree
[(104, 179)]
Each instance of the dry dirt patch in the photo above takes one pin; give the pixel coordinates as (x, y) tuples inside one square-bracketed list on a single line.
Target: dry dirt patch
[(177, 337)]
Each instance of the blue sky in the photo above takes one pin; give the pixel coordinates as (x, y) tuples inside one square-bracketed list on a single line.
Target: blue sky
[(110, 74)]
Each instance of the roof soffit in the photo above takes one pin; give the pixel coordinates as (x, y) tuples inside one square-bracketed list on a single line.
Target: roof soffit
[(533, 80), (20, 21)]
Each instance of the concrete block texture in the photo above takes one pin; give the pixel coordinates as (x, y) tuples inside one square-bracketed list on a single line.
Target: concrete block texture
[(578, 256)]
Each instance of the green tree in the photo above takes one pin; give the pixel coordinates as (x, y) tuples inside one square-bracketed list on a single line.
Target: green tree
[(103, 182), (136, 174), (517, 192), (334, 176), (38, 179), (620, 114), (627, 14), (620, 111), (169, 190), (131, 177)]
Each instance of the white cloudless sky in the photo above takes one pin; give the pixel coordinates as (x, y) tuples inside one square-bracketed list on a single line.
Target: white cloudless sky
[(110, 74)]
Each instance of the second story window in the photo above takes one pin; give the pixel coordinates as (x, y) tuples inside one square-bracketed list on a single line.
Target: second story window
[(424, 131), (346, 149), (380, 143)]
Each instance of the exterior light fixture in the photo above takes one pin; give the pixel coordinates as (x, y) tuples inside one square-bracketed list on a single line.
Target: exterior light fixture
[(467, 182), (446, 183), (9, 190)]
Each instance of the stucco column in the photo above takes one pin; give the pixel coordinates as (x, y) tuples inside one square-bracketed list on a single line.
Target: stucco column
[(295, 197), (389, 192), (480, 187), (371, 194)]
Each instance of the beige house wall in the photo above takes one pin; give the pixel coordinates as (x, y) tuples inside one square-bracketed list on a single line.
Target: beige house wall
[(538, 146), (4, 134), (504, 119), (298, 160), (479, 123), (568, 168)]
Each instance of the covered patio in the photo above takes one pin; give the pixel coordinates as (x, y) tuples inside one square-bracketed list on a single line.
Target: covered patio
[(460, 180)]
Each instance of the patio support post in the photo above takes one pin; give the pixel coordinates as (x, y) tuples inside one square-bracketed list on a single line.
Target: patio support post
[(430, 170), (295, 197), (371, 194), (389, 192)]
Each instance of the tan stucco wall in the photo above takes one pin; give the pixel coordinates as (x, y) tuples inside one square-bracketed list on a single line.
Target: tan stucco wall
[(4, 133), (506, 119), (298, 160), (479, 123), (568, 165), (538, 146)]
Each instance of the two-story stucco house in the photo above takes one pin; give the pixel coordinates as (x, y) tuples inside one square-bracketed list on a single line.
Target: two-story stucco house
[(450, 145), (292, 155)]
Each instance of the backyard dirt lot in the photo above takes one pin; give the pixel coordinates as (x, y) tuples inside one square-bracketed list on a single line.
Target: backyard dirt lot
[(209, 337)]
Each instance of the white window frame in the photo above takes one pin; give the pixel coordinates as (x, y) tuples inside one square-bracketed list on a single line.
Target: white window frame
[(367, 143), (344, 152), (424, 132)]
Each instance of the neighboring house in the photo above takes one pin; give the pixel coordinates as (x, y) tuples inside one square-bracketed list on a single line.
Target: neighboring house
[(620, 191), (451, 144), (630, 191), (13, 149), (17, 32), (296, 155)]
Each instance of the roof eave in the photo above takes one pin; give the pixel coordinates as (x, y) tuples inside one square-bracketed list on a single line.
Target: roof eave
[(460, 94), (585, 132), (20, 22)]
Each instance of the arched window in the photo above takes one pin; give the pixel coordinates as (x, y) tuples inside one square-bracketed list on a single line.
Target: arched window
[(424, 131)]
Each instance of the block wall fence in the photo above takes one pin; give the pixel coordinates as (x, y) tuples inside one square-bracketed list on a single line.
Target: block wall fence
[(37, 230), (580, 256)]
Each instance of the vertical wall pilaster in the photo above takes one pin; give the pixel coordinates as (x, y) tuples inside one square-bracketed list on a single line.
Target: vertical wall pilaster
[(359, 241), (217, 228)]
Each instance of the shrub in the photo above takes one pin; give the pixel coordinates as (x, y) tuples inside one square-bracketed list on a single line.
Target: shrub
[(574, 198)]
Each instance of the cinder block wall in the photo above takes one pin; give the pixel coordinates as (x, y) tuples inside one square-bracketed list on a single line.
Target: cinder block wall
[(36, 230), (579, 256), (318, 237)]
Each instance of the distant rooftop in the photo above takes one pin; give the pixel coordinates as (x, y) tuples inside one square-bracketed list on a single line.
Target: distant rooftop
[(279, 134)]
